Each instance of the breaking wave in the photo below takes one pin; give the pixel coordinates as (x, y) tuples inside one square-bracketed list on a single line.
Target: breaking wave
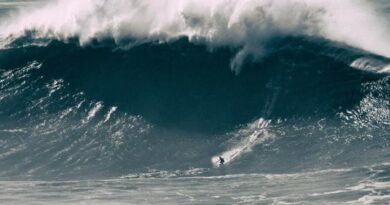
[(249, 26), (117, 88)]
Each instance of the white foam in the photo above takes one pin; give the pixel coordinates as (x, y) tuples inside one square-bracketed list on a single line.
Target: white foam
[(91, 114), (371, 65), (14, 130), (153, 173), (371, 199), (108, 115), (371, 185), (257, 134), (13, 150), (54, 86), (385, 69), (248, 24)]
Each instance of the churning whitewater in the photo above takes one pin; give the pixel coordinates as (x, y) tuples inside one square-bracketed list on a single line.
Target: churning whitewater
[(249, 25), (137, 102)]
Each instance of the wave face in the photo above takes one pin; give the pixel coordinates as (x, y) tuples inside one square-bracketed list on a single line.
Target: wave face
[(110, 88)]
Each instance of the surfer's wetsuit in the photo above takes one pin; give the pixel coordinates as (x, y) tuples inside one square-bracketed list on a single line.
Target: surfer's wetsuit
[(221, 161)]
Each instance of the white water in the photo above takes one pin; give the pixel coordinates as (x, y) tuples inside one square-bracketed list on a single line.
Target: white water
[(360, 185), (248, 24), (371, 65), (254, 134)]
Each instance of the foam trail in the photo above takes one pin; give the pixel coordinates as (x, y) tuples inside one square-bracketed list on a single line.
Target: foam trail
[(245, 24), (258, 134)]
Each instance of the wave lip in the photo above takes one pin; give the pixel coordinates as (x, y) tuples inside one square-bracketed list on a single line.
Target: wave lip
[(371, 65), (248, 25)]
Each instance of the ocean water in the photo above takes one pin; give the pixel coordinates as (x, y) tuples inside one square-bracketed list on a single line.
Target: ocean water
[(133, 102)]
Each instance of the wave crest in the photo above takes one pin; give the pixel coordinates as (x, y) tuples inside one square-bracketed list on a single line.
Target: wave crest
[(248, 25)]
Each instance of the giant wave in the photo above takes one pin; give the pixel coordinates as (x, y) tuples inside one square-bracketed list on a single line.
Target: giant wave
[(110, 88)]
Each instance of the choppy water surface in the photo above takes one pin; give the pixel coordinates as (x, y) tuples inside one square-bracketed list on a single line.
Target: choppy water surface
[(365, 185)]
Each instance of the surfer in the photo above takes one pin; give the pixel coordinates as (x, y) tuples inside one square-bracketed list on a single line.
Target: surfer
[(221, 160)]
